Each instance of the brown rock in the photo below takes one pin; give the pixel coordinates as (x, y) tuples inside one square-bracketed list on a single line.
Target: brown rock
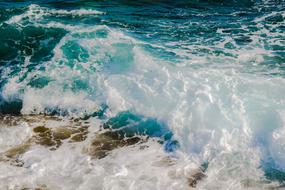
[(61, 133), (41, 129), (105, 142), (18, 150), (197, 175), (78, 137)]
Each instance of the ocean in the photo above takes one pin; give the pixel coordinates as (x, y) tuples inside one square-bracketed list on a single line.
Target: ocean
[(161, 94)]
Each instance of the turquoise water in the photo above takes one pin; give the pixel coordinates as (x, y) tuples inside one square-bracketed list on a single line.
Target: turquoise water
[(206, 77)]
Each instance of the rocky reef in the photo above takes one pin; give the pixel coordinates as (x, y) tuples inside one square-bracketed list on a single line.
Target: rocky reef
[(125, 129)]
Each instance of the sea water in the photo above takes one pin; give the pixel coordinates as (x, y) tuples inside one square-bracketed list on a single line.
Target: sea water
[(204, 81)]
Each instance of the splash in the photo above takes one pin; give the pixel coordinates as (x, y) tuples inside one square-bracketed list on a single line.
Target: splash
[(203, 84)]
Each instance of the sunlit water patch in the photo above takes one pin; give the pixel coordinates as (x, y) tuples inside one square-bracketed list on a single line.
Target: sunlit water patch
[(142, 95)]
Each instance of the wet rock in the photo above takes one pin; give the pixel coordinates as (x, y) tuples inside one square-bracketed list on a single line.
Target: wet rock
[(78, 137), (12, 155), (105, 142), (41, 129), (142, 147), (18, 150), (195, 177), (44, 136), (79, 134), (9, 120), (47, 137), (51, 138), (61, 133)]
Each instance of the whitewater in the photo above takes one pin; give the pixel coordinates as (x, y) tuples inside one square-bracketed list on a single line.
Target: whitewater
[(142, 95)]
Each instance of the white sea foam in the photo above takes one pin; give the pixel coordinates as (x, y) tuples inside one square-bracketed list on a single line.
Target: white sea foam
[(36, 12), (70, 168), (219, 113), (13, 136)]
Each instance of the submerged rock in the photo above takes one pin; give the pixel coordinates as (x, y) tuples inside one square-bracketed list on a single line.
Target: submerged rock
[(18, 150), (78, 137), (12, 155), (42, 135), (126, 129), (53, 137), (103, 143), (8, 120), (61, 133), (196, 176), (41, 129)]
